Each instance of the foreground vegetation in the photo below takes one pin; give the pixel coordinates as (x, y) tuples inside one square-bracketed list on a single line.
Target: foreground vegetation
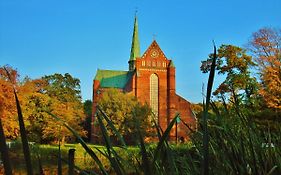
[(49, 156), (240, 149)]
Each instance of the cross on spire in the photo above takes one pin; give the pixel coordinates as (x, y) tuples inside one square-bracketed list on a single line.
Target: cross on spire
[(154, 36), (136, 11)]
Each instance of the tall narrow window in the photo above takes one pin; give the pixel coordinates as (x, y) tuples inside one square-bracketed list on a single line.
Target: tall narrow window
[(154, 88)]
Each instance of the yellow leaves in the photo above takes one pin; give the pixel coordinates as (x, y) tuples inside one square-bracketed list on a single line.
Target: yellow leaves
[(8, 108), (265, 46), (271, 86)]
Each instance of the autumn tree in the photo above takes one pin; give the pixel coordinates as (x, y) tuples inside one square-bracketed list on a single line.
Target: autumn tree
[(265, 46), (34, 102), (64, 90), (125, 112), (239, 86), (8, 112), (59, 94)]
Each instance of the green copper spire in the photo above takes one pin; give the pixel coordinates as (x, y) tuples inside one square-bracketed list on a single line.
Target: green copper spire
[(135, 49)]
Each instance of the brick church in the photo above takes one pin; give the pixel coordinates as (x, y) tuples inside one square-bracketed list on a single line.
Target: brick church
[(151, 78)]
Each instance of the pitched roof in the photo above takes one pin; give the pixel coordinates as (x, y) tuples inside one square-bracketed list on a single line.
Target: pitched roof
[(113, 79), (154, 46)]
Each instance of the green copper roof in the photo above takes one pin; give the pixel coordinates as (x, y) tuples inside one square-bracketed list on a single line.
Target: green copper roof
[(113, 79), (171, 64), (135, 49)]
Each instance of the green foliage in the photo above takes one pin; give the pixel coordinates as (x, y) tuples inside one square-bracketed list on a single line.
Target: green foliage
[(124, 110), (87, 105), (238, 146), (238, 85), (63, 87)]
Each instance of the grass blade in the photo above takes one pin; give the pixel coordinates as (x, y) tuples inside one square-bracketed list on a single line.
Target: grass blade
[(39, 164), (59, 161), (23, 134), (4, 151), (164, 138), (145, 160), (205, 167), (114, 161)]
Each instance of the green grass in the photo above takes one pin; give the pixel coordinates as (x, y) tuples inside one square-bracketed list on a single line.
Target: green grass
[(48, 154)]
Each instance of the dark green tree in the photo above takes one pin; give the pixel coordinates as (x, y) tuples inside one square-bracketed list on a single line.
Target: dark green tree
[(88, 106), (63, 87)]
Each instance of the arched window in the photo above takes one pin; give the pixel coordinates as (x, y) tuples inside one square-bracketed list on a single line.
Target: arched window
[(154, 93)]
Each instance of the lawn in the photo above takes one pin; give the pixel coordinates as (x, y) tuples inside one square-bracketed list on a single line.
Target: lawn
[(48, 155)]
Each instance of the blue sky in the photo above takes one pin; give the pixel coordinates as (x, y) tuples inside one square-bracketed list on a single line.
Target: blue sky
[(58, 36)]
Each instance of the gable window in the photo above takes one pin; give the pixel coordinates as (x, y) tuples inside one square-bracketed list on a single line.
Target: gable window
[(158, 64), (154, 93), (149, 63)]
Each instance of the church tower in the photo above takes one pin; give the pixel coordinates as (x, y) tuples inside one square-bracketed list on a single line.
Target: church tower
[(151, 79), (135, 48)]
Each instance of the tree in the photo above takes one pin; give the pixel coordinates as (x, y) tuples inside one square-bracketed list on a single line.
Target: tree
[(34, 102), (265, 46), (8, 112), (238, 85), (59, 94), (88, 105), (64, 90), (126, 112), (63, 87)]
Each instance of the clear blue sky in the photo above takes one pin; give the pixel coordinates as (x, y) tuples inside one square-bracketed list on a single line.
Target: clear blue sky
[(43, 37)]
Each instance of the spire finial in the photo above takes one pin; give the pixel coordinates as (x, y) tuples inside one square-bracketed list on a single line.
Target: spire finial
[(136, 11)]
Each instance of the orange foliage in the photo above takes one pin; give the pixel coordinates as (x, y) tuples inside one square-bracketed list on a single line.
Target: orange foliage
[(34, 99), (7, 104), (265, 46)]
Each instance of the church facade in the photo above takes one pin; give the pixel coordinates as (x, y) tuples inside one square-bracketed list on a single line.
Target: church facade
[(151, 79)]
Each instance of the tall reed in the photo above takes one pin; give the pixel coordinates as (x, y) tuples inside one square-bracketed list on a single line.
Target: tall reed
[(4, 151), (23, 132), (205, 166)]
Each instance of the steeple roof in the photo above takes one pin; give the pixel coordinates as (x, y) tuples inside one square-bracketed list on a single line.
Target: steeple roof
[(135, 48)]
